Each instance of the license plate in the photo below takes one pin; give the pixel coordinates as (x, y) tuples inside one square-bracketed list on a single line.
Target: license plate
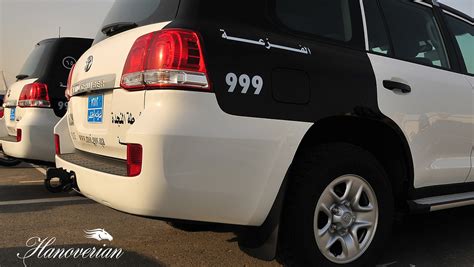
[(12, 114), (95, 108)]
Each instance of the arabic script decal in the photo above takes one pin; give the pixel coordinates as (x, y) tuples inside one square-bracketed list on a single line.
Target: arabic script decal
[(267, 44)]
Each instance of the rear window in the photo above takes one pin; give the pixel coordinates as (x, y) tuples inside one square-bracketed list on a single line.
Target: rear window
[(37, 62), (140, 12)]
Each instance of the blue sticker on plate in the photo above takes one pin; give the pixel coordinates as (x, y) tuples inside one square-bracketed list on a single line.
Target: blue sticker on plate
[(95, 107), (12, 114)]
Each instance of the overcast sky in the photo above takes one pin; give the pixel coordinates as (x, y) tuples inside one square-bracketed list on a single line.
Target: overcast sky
[(25, 22)]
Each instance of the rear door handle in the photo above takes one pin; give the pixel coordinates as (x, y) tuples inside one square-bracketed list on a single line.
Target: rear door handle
[(392, 86)]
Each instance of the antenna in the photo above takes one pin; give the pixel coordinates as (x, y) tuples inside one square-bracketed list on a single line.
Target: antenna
[(59, 31)]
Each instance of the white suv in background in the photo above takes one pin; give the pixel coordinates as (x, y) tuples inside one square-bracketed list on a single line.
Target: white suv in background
[(310, 122), (3, 128), (4, 160), (36, 102)]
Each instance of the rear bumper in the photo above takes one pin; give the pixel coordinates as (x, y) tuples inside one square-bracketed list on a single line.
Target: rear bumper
[(3, 130), (37, 141), (199, 163), (8, 138)]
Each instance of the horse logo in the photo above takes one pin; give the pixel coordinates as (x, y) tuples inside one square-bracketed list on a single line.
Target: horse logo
[(89, 62), (98, 234)]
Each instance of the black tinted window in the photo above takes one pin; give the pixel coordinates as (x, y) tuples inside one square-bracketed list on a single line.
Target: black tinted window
[(464, 35), (378, 38), (131, 11), (332, 19), (415, 33), (140, 12), (38, 59)]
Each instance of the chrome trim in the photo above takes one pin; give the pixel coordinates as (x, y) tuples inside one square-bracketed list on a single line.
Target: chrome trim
[(10, 104), (364, 23), (98, 83), (421, 2), (459, 17), (453, 205), (447, 201)]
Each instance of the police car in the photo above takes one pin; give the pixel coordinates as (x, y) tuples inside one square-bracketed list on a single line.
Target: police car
[(36, 102), (310, 122)]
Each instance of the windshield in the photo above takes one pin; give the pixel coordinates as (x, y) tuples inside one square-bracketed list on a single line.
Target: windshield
[(139, 12), (37, 61)]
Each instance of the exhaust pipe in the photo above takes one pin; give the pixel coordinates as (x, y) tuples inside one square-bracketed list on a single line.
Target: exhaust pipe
[(67, 181)]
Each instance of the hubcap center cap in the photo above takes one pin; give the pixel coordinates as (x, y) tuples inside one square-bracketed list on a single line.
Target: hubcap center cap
[(347, 219), (343, 217)]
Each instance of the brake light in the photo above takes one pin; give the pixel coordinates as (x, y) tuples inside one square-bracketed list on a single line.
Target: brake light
[(34, 95), (166, 59), (2, 112), (18, 135), (57, 144), (68, 92), (134, 159)]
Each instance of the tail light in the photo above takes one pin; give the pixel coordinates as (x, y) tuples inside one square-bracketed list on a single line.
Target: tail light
[(2, 113), (18, 135), (57, 144), (134, 159), (68, 92), (34, 95), (166, 59)]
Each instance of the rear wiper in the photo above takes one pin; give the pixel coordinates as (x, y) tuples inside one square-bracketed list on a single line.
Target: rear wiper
[(115, 28), (22, 76)]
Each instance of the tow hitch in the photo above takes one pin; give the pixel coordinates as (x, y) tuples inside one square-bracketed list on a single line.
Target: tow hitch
[(59, 180)]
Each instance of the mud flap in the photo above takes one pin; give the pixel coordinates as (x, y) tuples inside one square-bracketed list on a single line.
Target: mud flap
[(262, 242)]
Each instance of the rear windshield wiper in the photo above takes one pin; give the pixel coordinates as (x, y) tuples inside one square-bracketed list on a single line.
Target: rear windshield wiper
[(22, 76), (115, 28)]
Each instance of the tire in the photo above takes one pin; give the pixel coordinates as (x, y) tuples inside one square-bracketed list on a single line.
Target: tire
[(308, 227), (7, 161)]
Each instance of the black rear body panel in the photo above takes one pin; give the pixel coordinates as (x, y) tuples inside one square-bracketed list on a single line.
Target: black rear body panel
[(56, 65), (332, 80)]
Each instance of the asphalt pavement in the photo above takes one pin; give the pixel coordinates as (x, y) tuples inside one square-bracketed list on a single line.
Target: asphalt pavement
[(31, 216)]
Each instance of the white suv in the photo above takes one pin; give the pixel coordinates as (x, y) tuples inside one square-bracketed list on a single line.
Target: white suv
[(36, 102), (308, 121), (4, 160), (3, 129)]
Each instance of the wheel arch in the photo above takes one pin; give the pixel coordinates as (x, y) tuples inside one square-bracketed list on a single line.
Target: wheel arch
[(380, 136)]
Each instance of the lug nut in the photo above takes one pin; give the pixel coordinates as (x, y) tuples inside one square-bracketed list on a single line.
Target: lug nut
[(335, 211)]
